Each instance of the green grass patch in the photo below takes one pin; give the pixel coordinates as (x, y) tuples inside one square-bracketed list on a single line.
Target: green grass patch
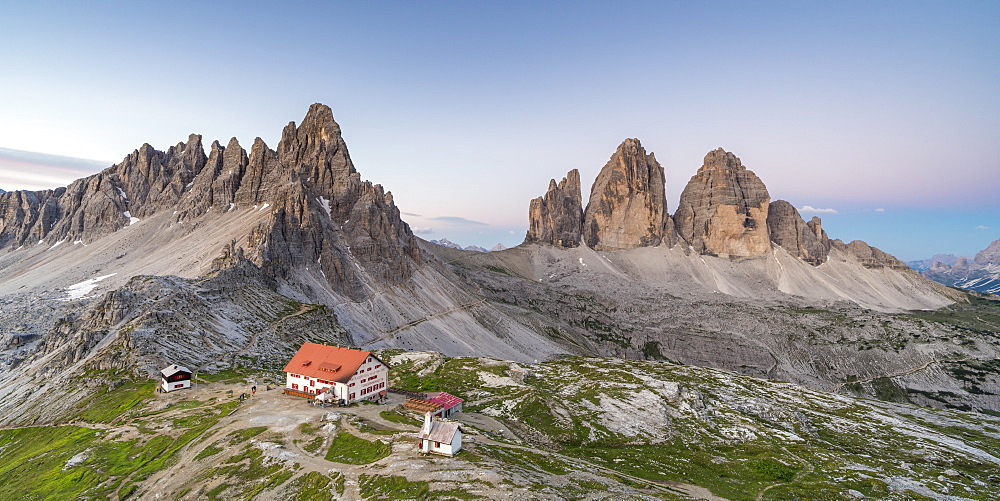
[(245, 434), (106, 406), (313, 486), (211, 450), (314, 445), (349, 449), (526, 459), (383, 487), (36, 457), (397, 417)]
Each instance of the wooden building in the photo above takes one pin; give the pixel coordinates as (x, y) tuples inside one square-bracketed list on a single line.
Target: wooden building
[(438, 403), (450, 404)]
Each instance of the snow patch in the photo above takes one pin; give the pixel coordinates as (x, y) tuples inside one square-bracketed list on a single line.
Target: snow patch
[(131, 220), (57, 244), (262, 207), (79, 290), (325, 203), (231, 206), (122, 193)]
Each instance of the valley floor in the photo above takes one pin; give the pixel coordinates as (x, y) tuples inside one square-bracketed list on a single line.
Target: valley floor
[(576, 428)]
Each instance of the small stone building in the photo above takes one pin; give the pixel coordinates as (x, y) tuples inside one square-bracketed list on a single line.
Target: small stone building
[(440, 437), (175, 377)]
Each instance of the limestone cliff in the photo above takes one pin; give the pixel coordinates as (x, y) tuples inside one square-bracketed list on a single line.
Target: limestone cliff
[(723, 209), (557, 217), (627, 207), (807, 241)]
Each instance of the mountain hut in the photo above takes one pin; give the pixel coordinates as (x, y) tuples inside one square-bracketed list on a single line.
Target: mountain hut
[(349, 375), (175, 377)]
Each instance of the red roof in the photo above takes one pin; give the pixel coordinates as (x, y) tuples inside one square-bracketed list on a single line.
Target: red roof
[(445, 400), (332, 363)]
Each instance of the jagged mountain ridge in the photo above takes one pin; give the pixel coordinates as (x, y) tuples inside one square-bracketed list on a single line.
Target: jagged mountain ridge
[(310, 168), (982, 274)]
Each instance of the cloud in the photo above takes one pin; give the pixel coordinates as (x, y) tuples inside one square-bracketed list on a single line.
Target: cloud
[(457, 220), (981, 227), (880, 210), (512, 232), (813, 210), (422, 231), (28, 170), (410, 214)]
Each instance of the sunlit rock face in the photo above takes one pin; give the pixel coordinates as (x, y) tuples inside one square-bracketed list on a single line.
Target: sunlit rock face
[(723, 209), (627, 207)]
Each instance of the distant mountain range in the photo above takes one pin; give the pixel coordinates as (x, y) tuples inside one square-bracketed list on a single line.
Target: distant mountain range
[(475, 248), (924, 264), (982, 274)]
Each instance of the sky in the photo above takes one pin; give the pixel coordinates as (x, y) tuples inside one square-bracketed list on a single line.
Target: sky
[(883, 116)]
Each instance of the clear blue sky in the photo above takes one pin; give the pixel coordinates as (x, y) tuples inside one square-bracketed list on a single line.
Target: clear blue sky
[(465, 110)]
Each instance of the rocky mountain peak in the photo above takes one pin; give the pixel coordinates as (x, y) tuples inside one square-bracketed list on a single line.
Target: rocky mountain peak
[(807, 241), (723, 209), (988, 256), (627, 207), (556, 218)]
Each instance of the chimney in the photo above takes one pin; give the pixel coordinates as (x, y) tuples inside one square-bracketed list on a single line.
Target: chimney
[(427, 425)]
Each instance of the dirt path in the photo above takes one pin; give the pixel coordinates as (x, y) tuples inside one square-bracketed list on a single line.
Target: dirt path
[(899, 374), (397, 330)]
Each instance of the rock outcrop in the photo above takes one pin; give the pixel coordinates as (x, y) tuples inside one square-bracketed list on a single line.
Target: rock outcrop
[(990, 256), (869, 257), (557, 217), (723, 209), (807, 241), (628, 207)]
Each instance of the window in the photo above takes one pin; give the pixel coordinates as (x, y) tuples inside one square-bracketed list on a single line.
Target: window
[(352, 396), (295, 386)]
